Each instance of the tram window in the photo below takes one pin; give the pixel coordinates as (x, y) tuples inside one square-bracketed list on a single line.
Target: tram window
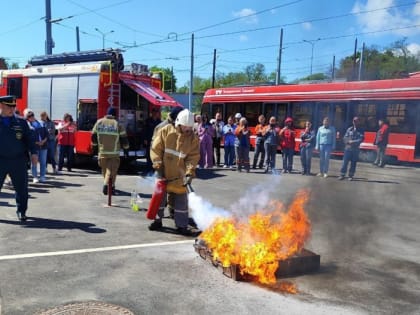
[(323, 111), (232, 109), (251, 112), (339, 119), (281, 113), (397, 117), (367, 116), (301, 112), (215, 108), (269, 110)]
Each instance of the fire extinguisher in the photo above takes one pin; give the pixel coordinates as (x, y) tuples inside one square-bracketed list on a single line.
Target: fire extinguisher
[(157, 196)]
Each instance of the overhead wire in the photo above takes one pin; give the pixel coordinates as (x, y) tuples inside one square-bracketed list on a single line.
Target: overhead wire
[(284, 25), (94, 11)]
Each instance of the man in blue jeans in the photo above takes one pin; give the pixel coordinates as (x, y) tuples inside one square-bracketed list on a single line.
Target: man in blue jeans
[(352, 140)]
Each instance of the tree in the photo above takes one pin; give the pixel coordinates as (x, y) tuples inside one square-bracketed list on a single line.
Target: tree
[(256, 73), (3, 64), (200, 85), (392, 62), (232, 78), (315, 77), (168, 80)]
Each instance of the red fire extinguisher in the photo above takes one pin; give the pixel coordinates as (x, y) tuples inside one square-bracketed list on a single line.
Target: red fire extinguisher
[(157, 196)]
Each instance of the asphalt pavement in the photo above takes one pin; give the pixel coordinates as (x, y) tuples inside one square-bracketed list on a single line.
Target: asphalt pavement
[(74, 248)]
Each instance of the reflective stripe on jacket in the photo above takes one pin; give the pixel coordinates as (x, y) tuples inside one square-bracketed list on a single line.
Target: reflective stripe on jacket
[(109, 136), (176, 155)]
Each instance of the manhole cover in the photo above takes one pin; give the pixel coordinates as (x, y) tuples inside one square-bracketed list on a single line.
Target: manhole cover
[(87, 308)]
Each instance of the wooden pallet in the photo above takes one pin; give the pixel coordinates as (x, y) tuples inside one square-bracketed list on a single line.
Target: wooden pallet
[(303, 262)]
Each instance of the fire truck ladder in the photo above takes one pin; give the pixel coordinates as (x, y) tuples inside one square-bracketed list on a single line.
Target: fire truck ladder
[(114, 95)]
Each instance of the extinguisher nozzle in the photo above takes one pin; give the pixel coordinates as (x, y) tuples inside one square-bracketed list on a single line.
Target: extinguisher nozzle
[(189, 188)]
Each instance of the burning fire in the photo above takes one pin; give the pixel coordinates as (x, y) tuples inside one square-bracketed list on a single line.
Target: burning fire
[(256, 246)]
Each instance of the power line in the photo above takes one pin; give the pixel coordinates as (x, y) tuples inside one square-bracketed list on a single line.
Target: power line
[(22, 26), (94, 11), (284, 25), (240, 18)]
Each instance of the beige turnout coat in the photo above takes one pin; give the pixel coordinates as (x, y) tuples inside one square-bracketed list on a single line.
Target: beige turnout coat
[(176, 155)]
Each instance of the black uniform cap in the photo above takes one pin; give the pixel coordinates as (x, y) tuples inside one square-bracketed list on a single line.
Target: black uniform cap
[(174, 112), (8, 100)]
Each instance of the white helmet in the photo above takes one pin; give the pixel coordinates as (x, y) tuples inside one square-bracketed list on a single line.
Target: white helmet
[(238, 116), (27, 112), (185, 118)]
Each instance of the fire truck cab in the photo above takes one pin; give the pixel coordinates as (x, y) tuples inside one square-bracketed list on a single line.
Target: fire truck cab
[(85, 84)]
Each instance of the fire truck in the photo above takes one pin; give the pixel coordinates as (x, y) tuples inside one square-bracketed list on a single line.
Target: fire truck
[(85, 84)]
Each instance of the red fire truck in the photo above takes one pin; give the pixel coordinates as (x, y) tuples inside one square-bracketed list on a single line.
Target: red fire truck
[(397, 100), (85, 84)]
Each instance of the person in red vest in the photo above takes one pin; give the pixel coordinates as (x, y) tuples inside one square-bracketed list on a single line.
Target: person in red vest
[(66, 135), (287, 144), (381, 141)]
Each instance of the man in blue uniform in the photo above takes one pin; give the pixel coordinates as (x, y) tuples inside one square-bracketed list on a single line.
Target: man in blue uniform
[(15, 142)]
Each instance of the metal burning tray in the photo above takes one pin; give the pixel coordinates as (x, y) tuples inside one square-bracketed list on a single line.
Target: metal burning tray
[(301, 263)]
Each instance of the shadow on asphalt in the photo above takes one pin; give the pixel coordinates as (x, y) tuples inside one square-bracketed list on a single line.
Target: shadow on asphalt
[(170, 230), (208, 173), (365, 180), (42, 223), (145, 195)]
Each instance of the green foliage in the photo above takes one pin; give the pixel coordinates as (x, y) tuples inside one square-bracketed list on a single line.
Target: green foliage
[(4, 65), (169, 80), (316, 76), (392, 62)]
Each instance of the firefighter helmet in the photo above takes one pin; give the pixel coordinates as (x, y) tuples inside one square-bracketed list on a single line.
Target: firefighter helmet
[(185, 118)]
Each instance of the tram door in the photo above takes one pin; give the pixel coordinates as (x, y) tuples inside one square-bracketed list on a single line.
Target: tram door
[(338, 115), (340, 121), (417, 126)]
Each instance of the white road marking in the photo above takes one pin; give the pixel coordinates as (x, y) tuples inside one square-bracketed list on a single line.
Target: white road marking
[(92, 250)]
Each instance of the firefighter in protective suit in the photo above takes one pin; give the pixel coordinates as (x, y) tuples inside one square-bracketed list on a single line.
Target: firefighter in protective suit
[(108, 137), (175, 153)]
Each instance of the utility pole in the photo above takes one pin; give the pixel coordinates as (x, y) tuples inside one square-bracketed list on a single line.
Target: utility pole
[(312, 43), (172, 79), (190, 93), (279, 59), (49, 41), (103, 36), (77, 39), (213, 77), (361, 62), (333, 69), (353, 75)]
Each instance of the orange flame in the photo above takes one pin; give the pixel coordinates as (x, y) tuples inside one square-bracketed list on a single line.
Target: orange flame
[(256, 246)]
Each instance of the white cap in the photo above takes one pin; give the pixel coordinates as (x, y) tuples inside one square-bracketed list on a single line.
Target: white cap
[(238, 116), (185, 118), (212, 121)]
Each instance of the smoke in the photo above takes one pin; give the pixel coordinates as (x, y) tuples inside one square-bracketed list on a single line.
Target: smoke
[(147, 183), (254, 199), (203, 212)]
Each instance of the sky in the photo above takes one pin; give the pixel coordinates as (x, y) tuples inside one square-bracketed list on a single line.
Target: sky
[(243, 32)]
